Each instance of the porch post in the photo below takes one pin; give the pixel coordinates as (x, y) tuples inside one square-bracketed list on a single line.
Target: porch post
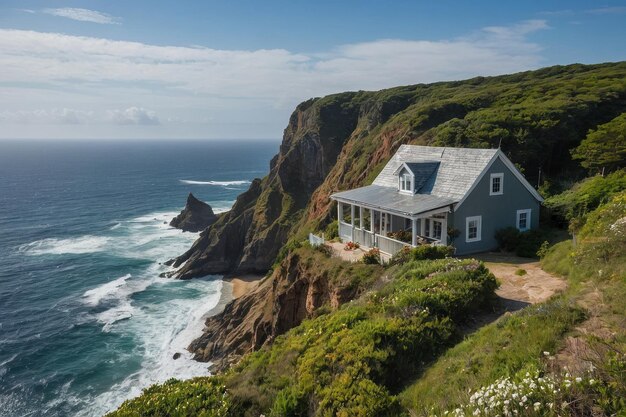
[(444, 230), (380, 223), (361, 217), (339, 211), (422, 226), (414, 231), (352, 220)]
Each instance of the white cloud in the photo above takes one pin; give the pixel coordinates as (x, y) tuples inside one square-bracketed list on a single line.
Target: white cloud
[(133, 116), (608, 10), (51, 116), (83, 15), (129, 116), (195, 84)]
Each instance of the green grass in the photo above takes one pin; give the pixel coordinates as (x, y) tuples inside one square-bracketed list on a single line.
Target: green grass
[(499, 349)]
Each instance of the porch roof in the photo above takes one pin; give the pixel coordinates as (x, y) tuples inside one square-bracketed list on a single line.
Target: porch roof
[(389, 199)]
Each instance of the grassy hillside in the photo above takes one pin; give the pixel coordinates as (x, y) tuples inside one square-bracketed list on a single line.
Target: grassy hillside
[(592, 312)]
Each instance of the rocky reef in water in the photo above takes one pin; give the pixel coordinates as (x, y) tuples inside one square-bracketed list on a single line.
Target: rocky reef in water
[(195, 217)]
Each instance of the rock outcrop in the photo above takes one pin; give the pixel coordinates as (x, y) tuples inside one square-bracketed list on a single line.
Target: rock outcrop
[(196, 216), (295, 290)]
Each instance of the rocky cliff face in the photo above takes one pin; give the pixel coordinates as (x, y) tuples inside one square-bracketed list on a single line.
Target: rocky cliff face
[(304, 281), (249, 236), (196, 216)]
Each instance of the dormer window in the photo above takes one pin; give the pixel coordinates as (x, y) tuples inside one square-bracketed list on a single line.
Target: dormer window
[(405, 181), (497, 184)]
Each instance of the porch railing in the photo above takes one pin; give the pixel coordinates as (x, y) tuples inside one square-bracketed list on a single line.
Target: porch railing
[(390, 246), (315, 240), (364, 237), (345, 231)]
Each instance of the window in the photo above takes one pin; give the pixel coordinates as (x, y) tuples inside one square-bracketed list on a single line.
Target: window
[(523, 220), (473, 227), (497, 184), (405, 181), (437, 226)]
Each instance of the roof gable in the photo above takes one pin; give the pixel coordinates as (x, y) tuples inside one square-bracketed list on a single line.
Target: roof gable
[(456, 171)]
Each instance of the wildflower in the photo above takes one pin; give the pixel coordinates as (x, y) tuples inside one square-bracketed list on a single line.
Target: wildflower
[(537, 406), (579, 379), (546, 353)]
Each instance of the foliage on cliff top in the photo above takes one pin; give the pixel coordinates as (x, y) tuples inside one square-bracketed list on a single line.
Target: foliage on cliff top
[(349, 362), (604, 147), (586, 195)]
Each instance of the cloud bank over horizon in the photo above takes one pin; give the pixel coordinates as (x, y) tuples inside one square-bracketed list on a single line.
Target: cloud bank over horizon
[(72, 83)]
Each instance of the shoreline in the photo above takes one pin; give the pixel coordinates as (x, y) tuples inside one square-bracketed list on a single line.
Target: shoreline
[(234, 287), (241, 285)]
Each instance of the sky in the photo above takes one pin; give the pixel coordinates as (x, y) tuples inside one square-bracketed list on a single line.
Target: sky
[(122, 69)]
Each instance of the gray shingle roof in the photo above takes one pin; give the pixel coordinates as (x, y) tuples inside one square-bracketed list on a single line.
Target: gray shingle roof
[(388, 198), (458, 169)]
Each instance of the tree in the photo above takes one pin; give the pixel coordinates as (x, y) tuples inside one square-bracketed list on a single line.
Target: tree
[(605, 147)]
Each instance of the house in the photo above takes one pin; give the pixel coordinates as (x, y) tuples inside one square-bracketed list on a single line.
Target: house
[(456, 196)]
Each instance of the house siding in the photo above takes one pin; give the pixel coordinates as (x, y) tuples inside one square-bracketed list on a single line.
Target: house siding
[(497, 211)]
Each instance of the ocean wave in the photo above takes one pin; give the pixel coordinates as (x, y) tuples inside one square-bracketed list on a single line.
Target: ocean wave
[(162, 329), (77, 245), (221, 183), (111, 289)]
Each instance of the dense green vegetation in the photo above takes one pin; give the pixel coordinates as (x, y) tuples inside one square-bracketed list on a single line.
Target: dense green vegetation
[(604, 147), (350, 362), (527, 340)]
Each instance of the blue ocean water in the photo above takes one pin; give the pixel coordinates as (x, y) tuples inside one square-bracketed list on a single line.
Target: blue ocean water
[(85, 321)]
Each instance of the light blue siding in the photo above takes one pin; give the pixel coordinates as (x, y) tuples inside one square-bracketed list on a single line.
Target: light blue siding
[(497, 211)]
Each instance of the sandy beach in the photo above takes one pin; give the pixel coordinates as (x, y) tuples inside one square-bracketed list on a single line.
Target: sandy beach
[(243, 284)]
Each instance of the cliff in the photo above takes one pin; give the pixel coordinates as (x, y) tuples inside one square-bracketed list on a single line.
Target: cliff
[(196, 216), (343, 140), (303, 282)]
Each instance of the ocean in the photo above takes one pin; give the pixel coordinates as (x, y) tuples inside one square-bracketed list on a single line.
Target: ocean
[(85, 320)]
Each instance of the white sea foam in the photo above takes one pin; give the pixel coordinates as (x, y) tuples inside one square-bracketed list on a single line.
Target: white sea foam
[(222, 183), (163, 329), (77, 245), (109, 290)]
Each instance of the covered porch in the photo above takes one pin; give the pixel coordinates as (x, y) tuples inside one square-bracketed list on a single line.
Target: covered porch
[(381, 217)]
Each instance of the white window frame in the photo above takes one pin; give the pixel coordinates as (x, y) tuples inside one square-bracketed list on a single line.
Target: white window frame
[(491, 178), (479, 226), (528, 219), (410, 182)]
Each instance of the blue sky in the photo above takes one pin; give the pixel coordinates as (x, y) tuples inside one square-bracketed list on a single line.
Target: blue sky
[(236, 69)]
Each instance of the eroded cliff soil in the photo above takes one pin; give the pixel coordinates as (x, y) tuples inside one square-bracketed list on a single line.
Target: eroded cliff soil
[(303, 282)]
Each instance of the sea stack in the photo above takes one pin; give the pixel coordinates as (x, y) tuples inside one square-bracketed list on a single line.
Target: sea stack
[(196, 216)]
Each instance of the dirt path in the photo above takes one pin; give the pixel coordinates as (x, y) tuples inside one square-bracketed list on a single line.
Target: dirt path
[(518, 289)]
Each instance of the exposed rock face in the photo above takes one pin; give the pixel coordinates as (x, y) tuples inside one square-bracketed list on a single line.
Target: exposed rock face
[(249, 236), (292, 293), (196, 216)]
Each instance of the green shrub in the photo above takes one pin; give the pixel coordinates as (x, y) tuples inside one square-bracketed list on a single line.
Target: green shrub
[(520, 272), (529, 244), (202, 397), (332, 230), (525, 244), (431, 252), (508, 238), (371, 257)]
